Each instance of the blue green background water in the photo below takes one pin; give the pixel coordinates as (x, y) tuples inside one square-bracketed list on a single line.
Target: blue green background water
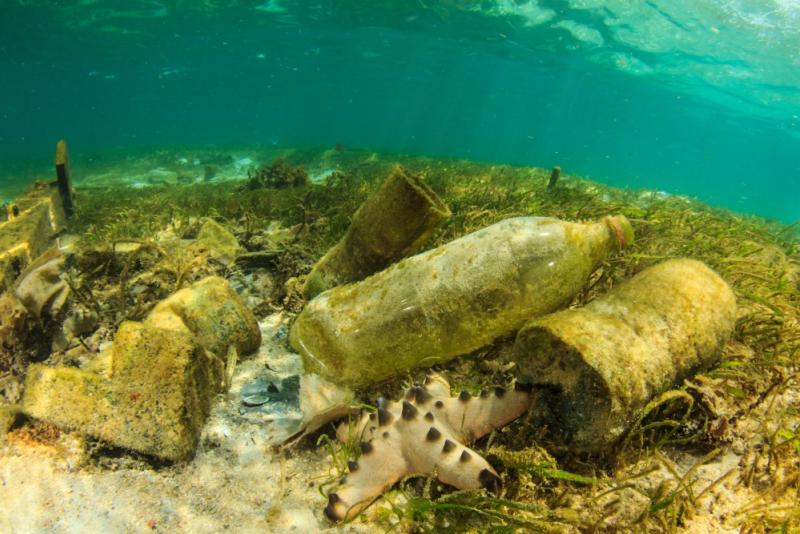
[(697, 97)]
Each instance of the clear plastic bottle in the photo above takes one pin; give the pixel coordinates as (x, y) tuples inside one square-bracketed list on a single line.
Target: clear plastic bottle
[(453, 299)]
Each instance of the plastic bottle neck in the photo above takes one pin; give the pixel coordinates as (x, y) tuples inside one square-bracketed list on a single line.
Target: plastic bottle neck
[(606, 237), (621, 229)]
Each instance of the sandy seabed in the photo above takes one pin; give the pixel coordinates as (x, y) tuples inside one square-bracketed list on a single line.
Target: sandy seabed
[(238, 481)]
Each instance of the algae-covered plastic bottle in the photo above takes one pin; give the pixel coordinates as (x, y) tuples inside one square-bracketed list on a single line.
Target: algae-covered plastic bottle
[(453, 299)]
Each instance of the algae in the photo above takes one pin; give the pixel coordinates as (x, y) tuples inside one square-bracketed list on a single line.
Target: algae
[(721, 447), (9, 413), (156, 390), (450, 300), (156, 402), (279, 174), (396, 221), (600, 364)]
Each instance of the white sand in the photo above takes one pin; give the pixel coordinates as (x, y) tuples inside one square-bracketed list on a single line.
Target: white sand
[(238, 483), (235, 482)]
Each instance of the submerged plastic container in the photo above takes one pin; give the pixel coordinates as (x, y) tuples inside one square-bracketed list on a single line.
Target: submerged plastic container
[(602, 363), (453, 299), (394, 222)]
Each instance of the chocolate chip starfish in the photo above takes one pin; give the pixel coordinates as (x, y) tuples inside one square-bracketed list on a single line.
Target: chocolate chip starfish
[(424, 434)]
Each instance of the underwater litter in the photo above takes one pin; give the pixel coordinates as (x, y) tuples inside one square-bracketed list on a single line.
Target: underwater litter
[(212, 269)]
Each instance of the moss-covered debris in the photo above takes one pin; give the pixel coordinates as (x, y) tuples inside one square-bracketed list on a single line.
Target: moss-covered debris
[(719, 451)]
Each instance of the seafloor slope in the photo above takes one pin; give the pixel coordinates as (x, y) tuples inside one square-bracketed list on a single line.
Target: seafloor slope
[(719, 453)]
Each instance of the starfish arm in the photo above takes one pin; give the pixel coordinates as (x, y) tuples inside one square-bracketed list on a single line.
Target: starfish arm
[(466, 469), (380, 465), (473, 417), (431, 448)]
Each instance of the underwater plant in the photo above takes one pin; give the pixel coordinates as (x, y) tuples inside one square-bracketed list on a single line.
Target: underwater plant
[(277, 175), (730, 429)]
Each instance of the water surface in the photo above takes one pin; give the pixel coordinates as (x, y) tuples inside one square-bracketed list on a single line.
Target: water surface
[(696, 97)]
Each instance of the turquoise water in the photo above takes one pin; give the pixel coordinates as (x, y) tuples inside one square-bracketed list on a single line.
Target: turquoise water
[(696, 97)]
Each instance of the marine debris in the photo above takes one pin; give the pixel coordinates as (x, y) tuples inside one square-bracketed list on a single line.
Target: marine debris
[(424, 433), (717, 451), (152, 390), (41, 288), (32, 315), (216, 240), (453, 299), (33, 222), (554, 176), (396, 221), (277, 175), (599, 365), (321, 402), (63, 178)]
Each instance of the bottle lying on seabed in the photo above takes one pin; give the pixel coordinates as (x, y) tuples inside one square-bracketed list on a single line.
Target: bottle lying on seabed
[(596, 367), (453, 299)]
